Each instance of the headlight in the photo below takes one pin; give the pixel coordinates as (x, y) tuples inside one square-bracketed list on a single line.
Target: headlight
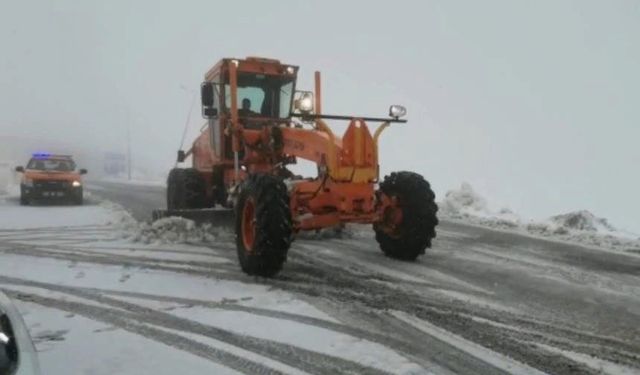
[(397, 111), (28, 182), (305, 103), (76, 184)]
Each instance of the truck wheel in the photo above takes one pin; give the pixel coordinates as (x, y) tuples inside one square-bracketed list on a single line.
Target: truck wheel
[(24, 198), (185, 189), (409, 222), (79, 199), (263, 225)]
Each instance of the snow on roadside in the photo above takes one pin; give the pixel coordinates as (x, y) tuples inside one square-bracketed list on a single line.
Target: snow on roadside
[(173, 230), (170, 230), (465, 204)]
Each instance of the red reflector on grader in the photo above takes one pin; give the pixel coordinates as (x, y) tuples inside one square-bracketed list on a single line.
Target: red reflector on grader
[(257, 125)]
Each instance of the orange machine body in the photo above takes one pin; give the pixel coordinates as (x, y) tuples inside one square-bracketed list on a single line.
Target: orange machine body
[(231, 146)]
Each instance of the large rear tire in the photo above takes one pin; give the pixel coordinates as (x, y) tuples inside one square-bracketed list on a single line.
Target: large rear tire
[(409, 225), (263, 225), (186, 189)]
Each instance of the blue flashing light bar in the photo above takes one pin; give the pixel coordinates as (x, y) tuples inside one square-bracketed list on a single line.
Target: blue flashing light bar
[(41, 155), (46, 156)]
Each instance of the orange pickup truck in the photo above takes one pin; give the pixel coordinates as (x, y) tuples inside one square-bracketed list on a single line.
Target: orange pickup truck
[(49, 177)]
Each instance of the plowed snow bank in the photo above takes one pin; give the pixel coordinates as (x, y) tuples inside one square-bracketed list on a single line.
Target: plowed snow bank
[(465, 204), (173, 230)]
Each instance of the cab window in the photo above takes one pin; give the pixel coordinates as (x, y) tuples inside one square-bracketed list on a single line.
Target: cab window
[(268, 96)]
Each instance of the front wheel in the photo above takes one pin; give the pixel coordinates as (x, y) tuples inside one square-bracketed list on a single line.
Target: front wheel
[(263, 225), (24, 199), (409, 219), (78, 200)]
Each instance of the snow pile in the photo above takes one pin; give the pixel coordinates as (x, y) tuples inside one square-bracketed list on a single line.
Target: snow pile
[(586, 228), (465, 204), (170, 230), (582, 227), (464, 201), (582, 220), (173, 230)]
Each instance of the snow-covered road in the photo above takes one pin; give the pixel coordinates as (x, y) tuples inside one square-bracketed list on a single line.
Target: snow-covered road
[(482, 301)]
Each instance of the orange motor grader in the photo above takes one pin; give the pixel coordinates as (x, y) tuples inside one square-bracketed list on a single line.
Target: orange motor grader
[(257, 125)]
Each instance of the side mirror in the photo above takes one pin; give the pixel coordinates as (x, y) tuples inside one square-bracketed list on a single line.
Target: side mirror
[(397, 111), (83, 171), (209, 112), (20, 169), (181, 156), (206, 94), (8, 346)]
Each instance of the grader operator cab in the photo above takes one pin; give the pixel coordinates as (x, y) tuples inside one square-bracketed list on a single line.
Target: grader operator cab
[(257, 125)]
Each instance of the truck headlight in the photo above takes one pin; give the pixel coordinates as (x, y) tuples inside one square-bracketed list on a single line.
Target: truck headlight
[(397, 111), (76, 184), (28, 182), (305, 103)]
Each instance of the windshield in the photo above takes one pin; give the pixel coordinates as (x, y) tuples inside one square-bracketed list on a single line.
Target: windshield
[(51, 165), (262, 95)]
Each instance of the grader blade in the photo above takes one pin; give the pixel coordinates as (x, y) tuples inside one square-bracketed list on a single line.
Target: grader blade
[(213, 216)]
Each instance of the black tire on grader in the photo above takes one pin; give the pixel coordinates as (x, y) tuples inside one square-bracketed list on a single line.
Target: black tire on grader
[(185, 189), (416, 208), (263, 225)]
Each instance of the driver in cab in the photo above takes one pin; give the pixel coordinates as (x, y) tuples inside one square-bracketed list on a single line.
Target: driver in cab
[(245, 110)]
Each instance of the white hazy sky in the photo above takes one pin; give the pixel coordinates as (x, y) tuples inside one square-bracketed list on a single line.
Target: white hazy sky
[(535, 103)]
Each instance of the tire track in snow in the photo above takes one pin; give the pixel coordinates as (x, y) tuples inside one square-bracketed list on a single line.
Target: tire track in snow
[(216, 271), (306, 360), (338, 284), (126, 259), (117, 318), (397, 344)]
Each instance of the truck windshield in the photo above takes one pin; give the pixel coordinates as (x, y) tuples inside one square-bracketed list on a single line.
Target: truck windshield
[(51, 165), (262, 95)]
